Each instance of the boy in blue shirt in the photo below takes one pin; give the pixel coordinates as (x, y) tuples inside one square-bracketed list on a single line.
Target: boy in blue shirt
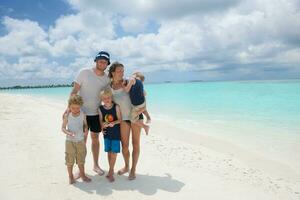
[(137, 94)]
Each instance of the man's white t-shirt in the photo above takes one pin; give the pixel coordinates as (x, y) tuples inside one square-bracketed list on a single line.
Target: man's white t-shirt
[(90, 87)]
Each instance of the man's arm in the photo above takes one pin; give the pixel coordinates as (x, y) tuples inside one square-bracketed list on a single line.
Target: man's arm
[(101, 121), (85, 126), (75, 89)]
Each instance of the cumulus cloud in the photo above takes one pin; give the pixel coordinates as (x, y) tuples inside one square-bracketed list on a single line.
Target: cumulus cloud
[(220, 39)]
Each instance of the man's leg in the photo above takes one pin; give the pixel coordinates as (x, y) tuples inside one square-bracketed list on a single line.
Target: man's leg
[(95, 152)]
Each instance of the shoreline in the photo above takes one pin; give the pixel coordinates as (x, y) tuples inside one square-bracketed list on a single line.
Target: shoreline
[(177, 164)]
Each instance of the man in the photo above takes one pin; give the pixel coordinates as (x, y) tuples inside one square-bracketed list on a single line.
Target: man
[(89, 83)]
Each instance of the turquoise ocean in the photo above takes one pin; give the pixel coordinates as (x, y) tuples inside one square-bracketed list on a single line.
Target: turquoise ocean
[(260, 115)]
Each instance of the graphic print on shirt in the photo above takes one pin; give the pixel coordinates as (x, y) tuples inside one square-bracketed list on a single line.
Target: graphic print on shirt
[(109, 118)]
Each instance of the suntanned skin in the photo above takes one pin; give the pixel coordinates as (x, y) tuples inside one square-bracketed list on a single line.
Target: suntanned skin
[(107, 100), (99, 69), (74, 111)]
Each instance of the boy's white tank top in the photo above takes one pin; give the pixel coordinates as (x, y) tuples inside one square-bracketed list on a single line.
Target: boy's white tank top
[(75, 125)]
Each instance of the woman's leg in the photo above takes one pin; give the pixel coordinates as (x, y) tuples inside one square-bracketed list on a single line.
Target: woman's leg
[(125, 132), (136, 133)]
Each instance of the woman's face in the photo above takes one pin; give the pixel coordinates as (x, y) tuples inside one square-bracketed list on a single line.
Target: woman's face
[(118, 73)]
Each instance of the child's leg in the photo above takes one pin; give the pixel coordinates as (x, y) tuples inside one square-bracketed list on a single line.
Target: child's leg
[(111, 160), (80, 158), (70, 159), (70, 172), (148, 121), (82, 173)]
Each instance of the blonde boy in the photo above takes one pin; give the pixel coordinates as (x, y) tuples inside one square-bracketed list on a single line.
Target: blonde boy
[(75, 127)]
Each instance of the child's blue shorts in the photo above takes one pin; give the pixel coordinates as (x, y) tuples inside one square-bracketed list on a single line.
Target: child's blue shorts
[(112, 145)]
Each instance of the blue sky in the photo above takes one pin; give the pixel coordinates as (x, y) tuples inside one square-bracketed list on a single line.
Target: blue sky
[(44, 42)]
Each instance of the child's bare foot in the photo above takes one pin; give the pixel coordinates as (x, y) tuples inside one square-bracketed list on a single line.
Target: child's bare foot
[(86, 179), (148, 121), (98, 170), (147, 129), (110, 177), (123, 171), (71, 180)]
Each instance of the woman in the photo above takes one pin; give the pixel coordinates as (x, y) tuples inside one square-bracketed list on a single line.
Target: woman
[(116, 73)]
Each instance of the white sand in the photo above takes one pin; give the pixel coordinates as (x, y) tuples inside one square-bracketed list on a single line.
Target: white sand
[(171, 165)]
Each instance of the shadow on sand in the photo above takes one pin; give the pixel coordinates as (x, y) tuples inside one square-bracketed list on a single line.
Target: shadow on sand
[(145, 184)]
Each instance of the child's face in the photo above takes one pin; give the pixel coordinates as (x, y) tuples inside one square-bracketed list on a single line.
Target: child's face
[(106, 99), (74, 108)]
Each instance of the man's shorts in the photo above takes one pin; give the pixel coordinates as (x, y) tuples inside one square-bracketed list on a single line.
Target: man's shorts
[(93, 123), (112, 145), (75, 151), (135, 116)]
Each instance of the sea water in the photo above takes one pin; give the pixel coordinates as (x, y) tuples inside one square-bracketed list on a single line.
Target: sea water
[(257, 115)]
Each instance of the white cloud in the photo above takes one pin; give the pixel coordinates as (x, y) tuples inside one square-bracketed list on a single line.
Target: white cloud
[(191, 35), (133, 25), (24, 37)]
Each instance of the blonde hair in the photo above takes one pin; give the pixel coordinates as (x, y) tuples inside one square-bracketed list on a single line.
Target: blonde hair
[(139, 75), (106, 92), (75, 99)]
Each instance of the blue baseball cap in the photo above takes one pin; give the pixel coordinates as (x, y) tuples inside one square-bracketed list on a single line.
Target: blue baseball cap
[(103, 55)]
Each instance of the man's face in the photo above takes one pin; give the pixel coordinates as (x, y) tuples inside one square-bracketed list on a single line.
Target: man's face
[(101, 64)]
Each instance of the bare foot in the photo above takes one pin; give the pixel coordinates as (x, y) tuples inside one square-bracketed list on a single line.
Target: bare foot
[(131, 176), (147, 129), (123, 171), (99, 171), (71, 180), (86, 179), (148, 121), (110, 178)]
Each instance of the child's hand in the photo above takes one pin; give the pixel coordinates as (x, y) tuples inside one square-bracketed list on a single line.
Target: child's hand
[(132, 81), (111, 124), (72, 134), (105, 125)]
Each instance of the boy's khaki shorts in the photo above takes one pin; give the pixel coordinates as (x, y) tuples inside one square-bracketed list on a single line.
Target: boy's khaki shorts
[(75, 151), (135, 112)]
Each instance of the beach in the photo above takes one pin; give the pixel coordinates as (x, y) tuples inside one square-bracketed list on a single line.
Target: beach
[(171, 165)]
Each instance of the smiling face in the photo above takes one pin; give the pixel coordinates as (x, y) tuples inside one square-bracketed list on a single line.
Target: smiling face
[(107, 100), (101, 64), (118, 74)]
